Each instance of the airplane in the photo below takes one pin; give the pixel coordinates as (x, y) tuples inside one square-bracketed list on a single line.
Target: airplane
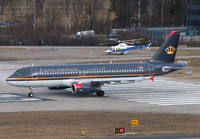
[(88, 78), (123, 48)]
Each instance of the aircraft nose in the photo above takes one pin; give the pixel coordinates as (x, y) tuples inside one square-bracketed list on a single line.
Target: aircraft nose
[(9, 80)]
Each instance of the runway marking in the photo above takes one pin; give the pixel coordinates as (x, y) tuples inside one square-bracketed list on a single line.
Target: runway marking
[(13, 97), (161, 92), (163, 98), (10, 68)]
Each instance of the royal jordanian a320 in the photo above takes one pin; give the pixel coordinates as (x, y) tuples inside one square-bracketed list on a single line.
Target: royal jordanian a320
[(88, 78)]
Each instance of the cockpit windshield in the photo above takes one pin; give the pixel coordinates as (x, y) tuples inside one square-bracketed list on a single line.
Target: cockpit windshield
[(111, 49), (17, 73), (22, 72)]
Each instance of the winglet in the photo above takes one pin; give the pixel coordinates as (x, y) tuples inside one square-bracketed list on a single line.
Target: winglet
[(152, 78)]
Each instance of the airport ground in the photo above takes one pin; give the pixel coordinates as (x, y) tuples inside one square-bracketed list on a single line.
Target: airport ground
[(170, 105), (69, 125)]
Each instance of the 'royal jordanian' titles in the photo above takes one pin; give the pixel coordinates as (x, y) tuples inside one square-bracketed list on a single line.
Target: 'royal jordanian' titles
[(88, 78)]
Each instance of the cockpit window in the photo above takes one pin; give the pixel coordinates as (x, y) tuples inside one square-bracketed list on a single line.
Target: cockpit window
[(17, 73)]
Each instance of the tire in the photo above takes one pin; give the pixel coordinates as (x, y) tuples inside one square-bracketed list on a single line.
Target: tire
[(100, 93), (31, 94)]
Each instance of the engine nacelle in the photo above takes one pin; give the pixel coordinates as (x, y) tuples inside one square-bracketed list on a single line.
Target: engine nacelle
[(86, 88), (56, 88)]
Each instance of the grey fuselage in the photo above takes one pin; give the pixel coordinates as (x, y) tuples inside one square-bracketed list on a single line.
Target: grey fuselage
[(88, 78), (87, 71)]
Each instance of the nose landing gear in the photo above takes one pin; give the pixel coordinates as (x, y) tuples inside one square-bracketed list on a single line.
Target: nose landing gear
[(31, 92)]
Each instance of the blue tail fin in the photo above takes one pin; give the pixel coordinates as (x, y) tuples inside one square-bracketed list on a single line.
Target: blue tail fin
[(149, 43)]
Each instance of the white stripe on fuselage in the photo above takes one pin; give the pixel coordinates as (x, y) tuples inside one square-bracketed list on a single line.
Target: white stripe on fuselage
[(44, 83), (69, 82)]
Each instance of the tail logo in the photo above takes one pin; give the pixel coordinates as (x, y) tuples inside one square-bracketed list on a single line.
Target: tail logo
[(170, 50)]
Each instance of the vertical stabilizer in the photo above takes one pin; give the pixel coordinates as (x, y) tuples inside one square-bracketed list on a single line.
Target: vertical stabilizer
[(167, 51)]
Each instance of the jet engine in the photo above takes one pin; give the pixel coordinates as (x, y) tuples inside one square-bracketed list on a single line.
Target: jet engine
[(85, 88)]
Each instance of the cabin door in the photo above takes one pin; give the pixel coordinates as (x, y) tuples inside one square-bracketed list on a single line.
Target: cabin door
[(34, 74), (151, 69)]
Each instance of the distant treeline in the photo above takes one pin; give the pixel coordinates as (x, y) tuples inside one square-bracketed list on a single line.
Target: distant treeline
[(49, 20)]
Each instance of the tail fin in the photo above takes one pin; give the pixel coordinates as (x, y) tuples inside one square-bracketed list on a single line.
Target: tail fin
[(148, 44), (167, 51)]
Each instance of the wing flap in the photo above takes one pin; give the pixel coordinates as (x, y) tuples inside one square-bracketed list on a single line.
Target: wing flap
[(119, 80)]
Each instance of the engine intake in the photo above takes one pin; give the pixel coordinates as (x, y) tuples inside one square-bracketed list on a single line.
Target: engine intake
[(86, 88)]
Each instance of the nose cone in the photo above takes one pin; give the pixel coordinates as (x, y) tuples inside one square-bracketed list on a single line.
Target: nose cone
[(108, 51), (9, 77), (8, 80), (11, 81)]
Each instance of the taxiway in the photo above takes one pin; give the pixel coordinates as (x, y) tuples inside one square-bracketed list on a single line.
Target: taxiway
[(164, 95)]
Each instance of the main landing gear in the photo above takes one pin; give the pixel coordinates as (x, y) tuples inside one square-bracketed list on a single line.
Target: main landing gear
[(31, 92), (100, 93)]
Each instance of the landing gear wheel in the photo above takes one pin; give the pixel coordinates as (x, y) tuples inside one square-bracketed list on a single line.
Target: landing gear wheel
[(100, 93), (31, 94)]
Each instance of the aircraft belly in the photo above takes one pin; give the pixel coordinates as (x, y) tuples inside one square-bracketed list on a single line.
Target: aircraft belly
[(44, 83)]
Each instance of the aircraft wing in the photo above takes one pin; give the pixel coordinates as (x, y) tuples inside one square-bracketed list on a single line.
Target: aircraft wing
[(103, 81)]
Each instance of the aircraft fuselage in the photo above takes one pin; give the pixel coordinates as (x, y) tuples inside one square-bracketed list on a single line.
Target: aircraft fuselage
[(65, 75), (88, 78)]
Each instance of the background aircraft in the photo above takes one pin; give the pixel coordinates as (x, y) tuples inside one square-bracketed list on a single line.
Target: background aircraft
[(88, 78), (123, 48)]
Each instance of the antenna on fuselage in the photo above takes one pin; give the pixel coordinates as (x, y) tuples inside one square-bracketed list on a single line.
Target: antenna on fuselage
[(33, 62)]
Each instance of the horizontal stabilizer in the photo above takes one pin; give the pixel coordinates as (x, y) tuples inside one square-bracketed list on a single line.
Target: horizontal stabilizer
[(168, 68), (185, 63)]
